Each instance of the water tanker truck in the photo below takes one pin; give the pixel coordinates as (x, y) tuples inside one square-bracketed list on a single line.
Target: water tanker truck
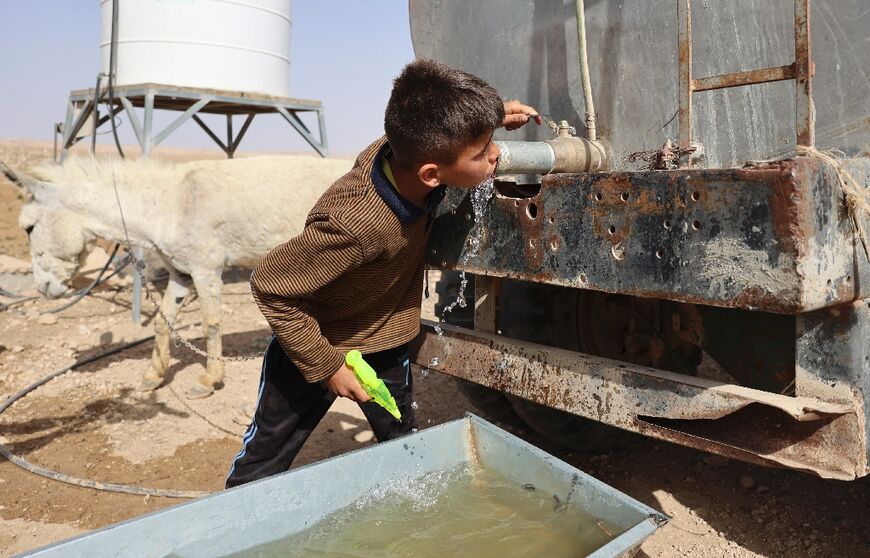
[(682, 253)]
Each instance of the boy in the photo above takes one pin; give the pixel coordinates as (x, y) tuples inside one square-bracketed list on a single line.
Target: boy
[(353, 279)]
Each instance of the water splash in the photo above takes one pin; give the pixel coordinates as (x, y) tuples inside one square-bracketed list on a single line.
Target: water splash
[(480, 197)]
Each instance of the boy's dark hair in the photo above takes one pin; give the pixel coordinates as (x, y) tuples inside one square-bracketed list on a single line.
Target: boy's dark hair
[(435, 111)]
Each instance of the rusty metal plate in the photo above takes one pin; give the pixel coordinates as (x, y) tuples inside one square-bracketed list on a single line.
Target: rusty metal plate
[(772, 236), (823, 437)]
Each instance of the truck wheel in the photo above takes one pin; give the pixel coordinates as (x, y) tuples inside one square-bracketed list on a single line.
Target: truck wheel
[(571, 431), (612, 326)]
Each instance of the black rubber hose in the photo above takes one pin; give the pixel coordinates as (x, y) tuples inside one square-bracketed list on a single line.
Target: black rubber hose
[(96, 119), (113, 48), (80, 294), (75, 481), (84, 292)]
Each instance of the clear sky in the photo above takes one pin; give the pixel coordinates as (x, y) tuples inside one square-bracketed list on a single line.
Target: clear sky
[(344, 53)]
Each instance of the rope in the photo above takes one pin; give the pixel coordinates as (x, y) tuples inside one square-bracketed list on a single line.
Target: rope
[(855, 195), (75, 481)]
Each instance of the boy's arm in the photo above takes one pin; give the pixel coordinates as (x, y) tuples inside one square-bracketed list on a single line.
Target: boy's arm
[(323, 252)]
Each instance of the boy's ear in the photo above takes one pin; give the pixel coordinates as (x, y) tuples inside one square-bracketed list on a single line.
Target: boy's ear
[(429, 175)]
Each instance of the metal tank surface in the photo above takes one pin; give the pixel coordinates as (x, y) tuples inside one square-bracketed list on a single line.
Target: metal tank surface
[(528, 51), (713, 224), (272, 509)]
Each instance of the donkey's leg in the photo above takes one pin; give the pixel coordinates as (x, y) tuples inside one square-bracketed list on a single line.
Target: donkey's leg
[(208, 287), (176, 290)]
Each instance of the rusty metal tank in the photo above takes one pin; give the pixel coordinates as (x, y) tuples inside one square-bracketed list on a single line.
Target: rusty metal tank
[(528, 50)]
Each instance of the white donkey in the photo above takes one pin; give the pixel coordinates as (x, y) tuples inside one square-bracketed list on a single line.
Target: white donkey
[(201, 217)]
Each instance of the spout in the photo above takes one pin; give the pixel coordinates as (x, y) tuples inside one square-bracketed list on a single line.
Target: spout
[(565, 154)]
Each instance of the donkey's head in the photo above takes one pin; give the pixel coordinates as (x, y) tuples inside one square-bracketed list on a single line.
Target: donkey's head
[(59, 240)]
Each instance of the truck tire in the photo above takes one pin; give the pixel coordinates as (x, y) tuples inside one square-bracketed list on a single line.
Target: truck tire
[(589, 322), (571, 431)]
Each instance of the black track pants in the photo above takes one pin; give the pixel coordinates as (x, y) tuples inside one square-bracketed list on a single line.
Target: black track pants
[(289, 409)]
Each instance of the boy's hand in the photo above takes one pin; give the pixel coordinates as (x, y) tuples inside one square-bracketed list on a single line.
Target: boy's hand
[(343, 383), (516, 114)]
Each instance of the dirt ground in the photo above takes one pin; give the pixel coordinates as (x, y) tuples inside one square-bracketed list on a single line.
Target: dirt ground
[(90, 423)]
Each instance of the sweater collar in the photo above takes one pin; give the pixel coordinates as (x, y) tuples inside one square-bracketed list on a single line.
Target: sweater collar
[(406, 211)]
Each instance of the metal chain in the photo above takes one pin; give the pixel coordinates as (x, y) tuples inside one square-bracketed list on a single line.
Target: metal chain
[(174, 333), (139, 267)]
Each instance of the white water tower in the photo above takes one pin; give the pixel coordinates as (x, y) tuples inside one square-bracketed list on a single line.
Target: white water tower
[(229, 45), (226, 58)]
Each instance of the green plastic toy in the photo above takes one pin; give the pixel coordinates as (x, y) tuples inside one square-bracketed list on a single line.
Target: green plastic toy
[(372, 385)]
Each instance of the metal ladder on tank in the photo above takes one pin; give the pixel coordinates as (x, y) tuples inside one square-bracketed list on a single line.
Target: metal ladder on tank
[(801, 70)]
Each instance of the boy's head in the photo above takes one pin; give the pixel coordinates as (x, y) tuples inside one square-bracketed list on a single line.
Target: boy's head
[(439, 122)]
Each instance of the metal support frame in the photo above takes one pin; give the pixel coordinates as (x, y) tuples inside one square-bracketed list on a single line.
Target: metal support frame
[(191, 102), (801, 70)]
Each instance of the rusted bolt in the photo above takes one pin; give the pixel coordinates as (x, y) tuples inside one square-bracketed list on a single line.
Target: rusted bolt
[(532, 211), (551, 220), (696, 196), (554, 245), (611, 229), (696, 224), (624, 196)]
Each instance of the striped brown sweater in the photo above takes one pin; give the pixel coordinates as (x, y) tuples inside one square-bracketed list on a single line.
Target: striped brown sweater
[(353, 279)]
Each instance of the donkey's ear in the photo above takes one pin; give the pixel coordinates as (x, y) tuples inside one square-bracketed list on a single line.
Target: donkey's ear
[(13, 176), (31, 187)]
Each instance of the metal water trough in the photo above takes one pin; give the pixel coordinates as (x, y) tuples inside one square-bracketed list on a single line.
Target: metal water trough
[(273, 508)]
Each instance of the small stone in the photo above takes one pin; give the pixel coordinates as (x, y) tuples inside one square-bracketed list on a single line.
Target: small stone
[(747, 482), (17, 349), (717, 460), (47, 319)]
